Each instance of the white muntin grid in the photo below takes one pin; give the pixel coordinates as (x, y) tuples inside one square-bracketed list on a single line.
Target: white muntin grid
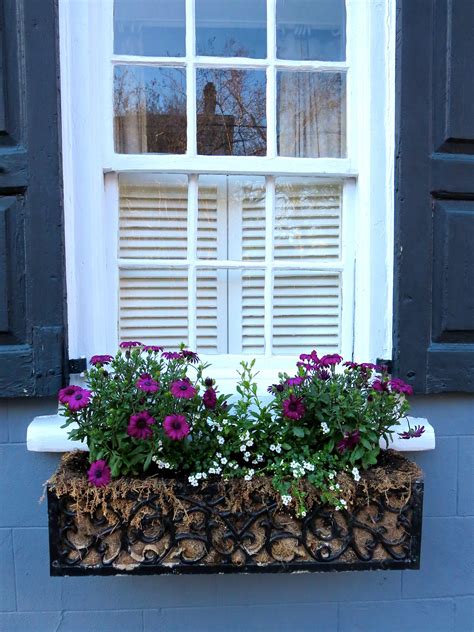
[(271, 165), (91, 169)]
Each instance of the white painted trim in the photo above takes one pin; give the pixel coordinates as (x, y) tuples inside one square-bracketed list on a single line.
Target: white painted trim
[(44, 434)]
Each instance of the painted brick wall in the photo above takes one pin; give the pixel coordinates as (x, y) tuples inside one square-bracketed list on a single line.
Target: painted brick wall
[(438, 598)]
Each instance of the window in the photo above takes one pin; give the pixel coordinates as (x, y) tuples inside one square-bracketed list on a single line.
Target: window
[(231, 152)]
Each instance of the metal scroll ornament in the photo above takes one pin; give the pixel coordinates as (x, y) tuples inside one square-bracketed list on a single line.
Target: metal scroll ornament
[(202, 536)]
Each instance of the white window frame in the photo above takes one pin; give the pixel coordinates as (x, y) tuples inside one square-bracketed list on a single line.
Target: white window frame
[(90, 169)]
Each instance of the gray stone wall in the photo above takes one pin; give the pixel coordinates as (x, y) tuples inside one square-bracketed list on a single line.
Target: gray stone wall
[(439, 597)]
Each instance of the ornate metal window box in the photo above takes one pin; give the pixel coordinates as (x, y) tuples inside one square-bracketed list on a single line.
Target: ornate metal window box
[(199, 533)]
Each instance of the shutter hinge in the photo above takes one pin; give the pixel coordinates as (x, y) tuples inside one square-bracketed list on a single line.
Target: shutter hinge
[(387, 363), (77, 365)]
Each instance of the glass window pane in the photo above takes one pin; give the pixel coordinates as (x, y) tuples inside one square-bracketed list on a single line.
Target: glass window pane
[(153, 216), (306, 312), (149, 110), (311, 114), (307, 219), (231, 119), (230, 311), (311, 29), (149, 27), (153, 306), (231, 218), (235, 28)]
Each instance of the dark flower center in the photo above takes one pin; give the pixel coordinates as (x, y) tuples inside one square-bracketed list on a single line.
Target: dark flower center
[(78, 396), (293, 406), (141, 423), (184, 387), (98, 473), (176, 425)]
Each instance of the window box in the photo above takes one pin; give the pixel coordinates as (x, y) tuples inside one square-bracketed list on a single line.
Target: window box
[(155, 525)]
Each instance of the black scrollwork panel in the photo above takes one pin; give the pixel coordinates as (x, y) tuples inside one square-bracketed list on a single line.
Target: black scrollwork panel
[(203, 536)]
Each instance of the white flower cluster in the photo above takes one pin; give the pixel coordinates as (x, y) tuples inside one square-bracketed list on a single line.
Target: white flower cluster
[(163, 465), (324, 427), (275, 448), (342, 504), (299, 469), (195, 478), (356, 474), (249, 475), (258, 459), (286, 499)]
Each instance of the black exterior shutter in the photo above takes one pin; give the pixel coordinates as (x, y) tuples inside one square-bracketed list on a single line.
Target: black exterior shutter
[(32, 295), (434, 217)]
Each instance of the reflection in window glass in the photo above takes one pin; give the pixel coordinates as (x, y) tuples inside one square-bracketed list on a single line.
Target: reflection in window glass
[(231, 29), (231, 218), (311, 113), (149, 110), (311, 29), (149, 27), (307, 219), (231, 119)]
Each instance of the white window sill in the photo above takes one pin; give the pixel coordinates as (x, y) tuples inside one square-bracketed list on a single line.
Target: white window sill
[(45, 434)]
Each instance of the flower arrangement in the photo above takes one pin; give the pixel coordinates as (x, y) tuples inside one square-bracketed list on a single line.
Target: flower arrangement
[(147, 410)]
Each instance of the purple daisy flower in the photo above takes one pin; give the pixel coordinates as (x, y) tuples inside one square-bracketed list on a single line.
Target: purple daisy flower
[(399, 386), (294, 381), (147, 384), (330, 360), (99, 473), (139, 425), (209, 399), (415, 432), (190, 356), (183, 389), (351, 365), (379, 386), (349, 441), (152, 348), (80, 399), (67, 392), (130, 343), (176, 427), (293, 407), (101, 359), (324, 374), (171, 355)]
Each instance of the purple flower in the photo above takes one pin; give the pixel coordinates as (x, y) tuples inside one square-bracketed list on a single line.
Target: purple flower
[(101, 359), (330, 360), (276, 388), (171, 355), (209, 399), (67, 392), (130, 343), (99, 473), (152, 348), (176, 427), (399, 386), (293, 407), (80, 399), (348, 441), (324, 374), (294, 381), (183, 389), (139, 425), (417, 431), (147, 384), (309, 361), (380, 386), (190, 356), (209, 382), (351, 365)]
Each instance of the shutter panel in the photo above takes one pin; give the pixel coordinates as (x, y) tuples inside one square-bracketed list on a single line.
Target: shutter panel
[(434, 230), (32, 305)]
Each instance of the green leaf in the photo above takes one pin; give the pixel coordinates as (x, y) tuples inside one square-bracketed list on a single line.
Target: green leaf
[(147, 463), (297, 431)]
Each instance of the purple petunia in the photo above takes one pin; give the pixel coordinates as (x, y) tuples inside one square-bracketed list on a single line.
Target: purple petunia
[(399, 386), (147, 384), (293, 407), (209, 399), (348, 441), (79, 400), (130, 343), (99, 473), (176, 427), (101, 359), (139, 425), (415, 432), (183, 389), (67, 392)]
